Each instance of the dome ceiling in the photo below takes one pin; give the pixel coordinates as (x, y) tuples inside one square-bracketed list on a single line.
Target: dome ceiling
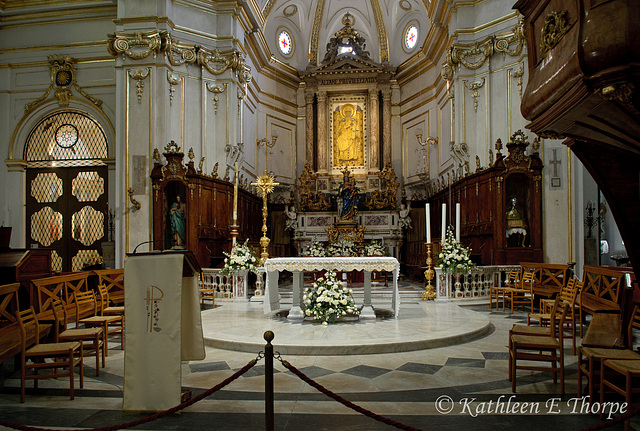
[(310, 25)]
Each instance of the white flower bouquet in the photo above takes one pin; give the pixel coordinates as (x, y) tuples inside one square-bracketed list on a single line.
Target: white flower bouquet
[(454, 257), (315, 249), (241, 258), (342, 247), (375, 248), (328, 300)]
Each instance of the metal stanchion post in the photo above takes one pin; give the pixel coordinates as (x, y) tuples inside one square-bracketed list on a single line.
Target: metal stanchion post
[(268, 380)]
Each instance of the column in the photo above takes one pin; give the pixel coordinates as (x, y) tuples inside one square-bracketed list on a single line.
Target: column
[(295, 313), (367, 311), (386, 119), (322, 131), (308, 98), (374, 129)]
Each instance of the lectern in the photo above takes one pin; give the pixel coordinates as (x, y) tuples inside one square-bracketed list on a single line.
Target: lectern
[(162, 327)]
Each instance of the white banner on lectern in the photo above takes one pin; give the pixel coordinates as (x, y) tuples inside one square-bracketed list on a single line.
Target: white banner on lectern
[(161, 322)]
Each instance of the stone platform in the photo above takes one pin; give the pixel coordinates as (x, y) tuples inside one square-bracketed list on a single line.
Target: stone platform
[(420, 325)]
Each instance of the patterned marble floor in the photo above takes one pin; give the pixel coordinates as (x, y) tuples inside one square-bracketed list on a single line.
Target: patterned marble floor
[(445, 387)]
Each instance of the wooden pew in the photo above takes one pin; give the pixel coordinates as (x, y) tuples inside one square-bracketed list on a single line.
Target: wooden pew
[(549, 278), (113, 280), (60, 287), (9, 326), (604, 290)]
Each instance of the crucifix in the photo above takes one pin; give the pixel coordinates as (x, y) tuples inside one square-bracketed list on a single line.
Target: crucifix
[(265, 185), (556, 180)]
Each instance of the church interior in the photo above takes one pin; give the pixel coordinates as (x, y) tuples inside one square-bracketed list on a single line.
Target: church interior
[(469, 171)]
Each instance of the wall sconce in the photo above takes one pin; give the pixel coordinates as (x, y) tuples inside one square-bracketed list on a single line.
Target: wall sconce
[(267, 144), (430, 140)]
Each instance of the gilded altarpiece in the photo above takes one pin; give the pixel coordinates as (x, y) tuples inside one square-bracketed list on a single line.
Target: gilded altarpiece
[(348, 145)]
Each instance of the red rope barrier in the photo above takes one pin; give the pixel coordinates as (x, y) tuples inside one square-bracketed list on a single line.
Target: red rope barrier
[(155, 416), (343, 401)]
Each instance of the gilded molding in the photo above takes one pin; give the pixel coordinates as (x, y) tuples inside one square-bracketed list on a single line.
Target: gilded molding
[(383, 40), (136, 45), (218, 62), (266, 10), (475, 86), (178, 53), (519, 73), (315, 33), (173, 80), (139, 76), (554, 27), (474, 55), (216, 89), (63, 77)]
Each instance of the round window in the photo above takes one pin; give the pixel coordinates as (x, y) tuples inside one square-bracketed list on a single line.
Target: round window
[(285, 43), (411, 37)]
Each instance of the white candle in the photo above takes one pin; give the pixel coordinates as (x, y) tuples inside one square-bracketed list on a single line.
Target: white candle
[(444, 221), (235, 196), (427, 217), (458, 222)]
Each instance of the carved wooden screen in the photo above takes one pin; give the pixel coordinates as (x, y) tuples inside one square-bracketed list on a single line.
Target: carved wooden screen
[(66, 187)]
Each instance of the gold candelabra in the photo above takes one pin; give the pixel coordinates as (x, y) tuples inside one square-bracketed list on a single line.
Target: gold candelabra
[(429, 290), (265, 185)]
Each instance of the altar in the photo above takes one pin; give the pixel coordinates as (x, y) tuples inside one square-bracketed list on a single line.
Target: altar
[(298, 265)]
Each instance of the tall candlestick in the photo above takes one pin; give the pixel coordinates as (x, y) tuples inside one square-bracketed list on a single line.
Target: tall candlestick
[(235, 196), (427, 216), (458, 221), (444, 221)]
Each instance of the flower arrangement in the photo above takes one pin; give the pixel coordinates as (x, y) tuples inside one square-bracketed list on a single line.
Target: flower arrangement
[(241, 258), (375, 248), (315, 249), (342, 247), (329, 300), (454, 257)]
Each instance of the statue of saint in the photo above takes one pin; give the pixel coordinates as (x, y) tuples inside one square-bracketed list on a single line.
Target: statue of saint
[(292, 218), (516, 224), (178, 218), (404, 220), (348, 193)]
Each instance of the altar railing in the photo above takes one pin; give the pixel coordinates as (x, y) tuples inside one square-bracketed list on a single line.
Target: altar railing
[(472, 285), (223, 284)]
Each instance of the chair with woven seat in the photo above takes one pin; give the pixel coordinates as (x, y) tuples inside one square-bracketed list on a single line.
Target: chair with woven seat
[(590, 358), (522, 294), (621, 375), (84, 299), (497, 292), (568, 295), (539, 349), (92, 338), (106, 309), (63, 357)]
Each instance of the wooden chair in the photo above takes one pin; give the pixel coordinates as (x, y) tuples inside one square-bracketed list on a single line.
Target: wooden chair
[(540, 349), (62, 356), (568, 295), (84, 299), (92, 338), (622, 376), (590, 358), (105, 309), (522, 294), (497, 292)]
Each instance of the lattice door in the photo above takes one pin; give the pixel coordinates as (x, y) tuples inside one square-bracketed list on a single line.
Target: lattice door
[(66, 210), (67, 189)]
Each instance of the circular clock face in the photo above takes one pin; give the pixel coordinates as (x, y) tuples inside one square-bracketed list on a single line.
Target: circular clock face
[(63, 78), (66, 136)]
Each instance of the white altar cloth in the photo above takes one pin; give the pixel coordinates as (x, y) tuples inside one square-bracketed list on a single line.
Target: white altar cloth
[(298, 265)]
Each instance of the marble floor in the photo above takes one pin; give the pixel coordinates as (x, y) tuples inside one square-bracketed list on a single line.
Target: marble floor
[(458, 381)]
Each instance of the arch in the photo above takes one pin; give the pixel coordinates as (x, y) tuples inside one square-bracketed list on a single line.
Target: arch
[(30, 120)]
